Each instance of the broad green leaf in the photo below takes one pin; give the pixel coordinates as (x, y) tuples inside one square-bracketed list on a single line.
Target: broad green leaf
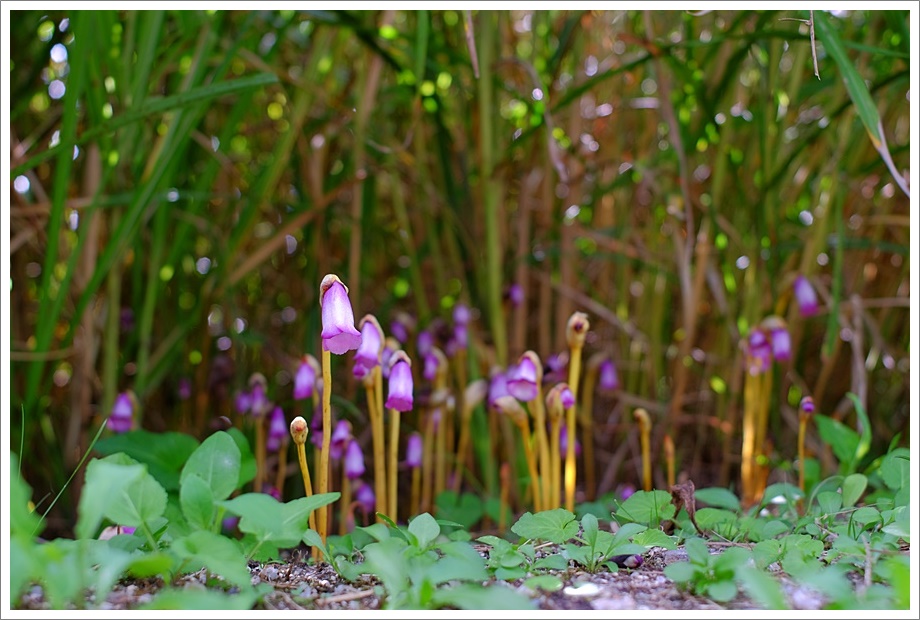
[(163, 453), (187, 599), (766, 552), (459, 562), (830, 502), (589, 526), (865, 433), (217, 462), (551, 562), (547, 583), (646, 507), (476, 597), (852, 490), (697, 551), (895, 469), (842, 439), (22, 557), (269, 521), (718, 497), (387, 560), (247, 459), (900, 526), (64, 566), (653, 537), (152, 565), (722, 591), (425, 529), (219, 554), (197, 502), (802, 546), (789, 492), (731, 559), (111, 563), (24, 523), (715, 519), (466, 509), (140, 502), (680, 572), (557, 525), (867, 515), (498, 545), (772, 529), (105, 478)]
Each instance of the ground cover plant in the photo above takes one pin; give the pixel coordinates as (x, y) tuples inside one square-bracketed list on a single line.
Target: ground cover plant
[(596, 309)]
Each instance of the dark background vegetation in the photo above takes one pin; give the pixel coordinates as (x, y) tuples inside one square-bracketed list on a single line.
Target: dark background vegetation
[(667, 172)]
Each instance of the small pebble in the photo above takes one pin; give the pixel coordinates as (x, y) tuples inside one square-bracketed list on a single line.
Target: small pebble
[(585, 589), (614, 603)]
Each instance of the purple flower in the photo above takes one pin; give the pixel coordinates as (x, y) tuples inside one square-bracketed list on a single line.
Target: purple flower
[(184, 389), (277, 430), (430, 368), (807, 405), (555, 368), (626, 491), (805, 296), (566, 397), (522, 379), (368, 354), (399, 396), (260, 402), (390, 345), (424, 342), (781, 343), (122, 416), (760, 355), (400, 327), (498, 386), (340, 438), (354, 460), (127, 530), (305, 378), (460, 338), (515, 295), (360, 372), (462, 314), (269, 489), (243, 402), (564, 441), (365, 497), (608, 378), (339, 332), (414, 450), (228, 525)]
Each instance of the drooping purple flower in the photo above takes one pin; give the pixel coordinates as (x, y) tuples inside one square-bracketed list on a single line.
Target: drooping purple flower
[(390, 345), (566, 397), (368, 354), (430, 368), (462, 314), (806, 296), (807, 405), (127, 530), (228, 524), (414, 450), (522, 379), (498, 386), (243, 402), (760, 355), (365, 497), (126, 319), (626, 491), (122, 417), (340, 438), (260, 403), (360, 372), (564, 441), (459, 339), (400, 327), (305, 378), (424, 342), (608, 378), (354, 460), (184, 388), (339, 332), (399, 396), (555, 368), (277, 430), (781, 343)]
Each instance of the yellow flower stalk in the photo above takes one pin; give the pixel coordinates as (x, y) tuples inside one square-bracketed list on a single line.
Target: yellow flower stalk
[(399, 398), (806, 409), (669, 459), (576, 331), (510, 406), (373, 387), (473, 395), (556, 400), (299, 432), (645, 429)]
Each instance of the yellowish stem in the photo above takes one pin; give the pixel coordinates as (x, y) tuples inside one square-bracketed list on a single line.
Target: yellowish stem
[(574, 372), (378, 440), (305, 474), (586, 419), (393, 465), (669, 459), (555, 464), (504, 496), (427, 465), (345, 505), (327, 439)]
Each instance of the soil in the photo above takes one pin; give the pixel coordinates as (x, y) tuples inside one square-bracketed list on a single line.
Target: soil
[(302, 586)]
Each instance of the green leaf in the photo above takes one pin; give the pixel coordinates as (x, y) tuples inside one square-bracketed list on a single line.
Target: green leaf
[(718, 497), (772, 529), (23, 522), (653, 537), (63, 565), (140, 502), (247, 459), (387, 560), (787, 491), (680, 572), (697, 551), (842, 439), (900, 527), (853, 487), (163, 453), (551, 562), (219, 554), (829, 502), (766, 552), (646, 507), (865, 433), (22, 554), (895, 469), (465, 509), (197, 502), (867, 515), (499, 545), (715, 519), (547, 583), (476, 597), (197, 599), (722, 591), (152, 565), (217, 462), (425, 529), (458, 562), (110, 563), (859, 93), (557, 525), (105, 478), (589, 525)]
